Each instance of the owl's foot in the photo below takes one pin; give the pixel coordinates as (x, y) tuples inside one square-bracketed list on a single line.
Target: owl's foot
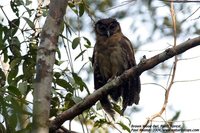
[(143, 60), (110, 79)]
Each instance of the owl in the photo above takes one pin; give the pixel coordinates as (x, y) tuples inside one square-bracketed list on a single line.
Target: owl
[(113, 54)]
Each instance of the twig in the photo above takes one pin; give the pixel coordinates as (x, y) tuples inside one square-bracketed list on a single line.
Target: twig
[(191, 14), (172, 77)]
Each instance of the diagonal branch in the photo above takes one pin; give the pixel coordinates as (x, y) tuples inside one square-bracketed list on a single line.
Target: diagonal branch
[(144, 65)]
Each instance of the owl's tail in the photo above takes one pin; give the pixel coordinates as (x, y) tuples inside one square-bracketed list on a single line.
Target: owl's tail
[(105, 103), (131, 92)]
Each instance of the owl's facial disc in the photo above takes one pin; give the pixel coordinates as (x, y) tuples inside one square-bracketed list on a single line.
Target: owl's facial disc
[(107, 27)]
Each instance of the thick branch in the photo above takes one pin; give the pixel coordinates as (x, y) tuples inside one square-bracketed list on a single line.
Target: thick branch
[(44, 68), (144, 65)]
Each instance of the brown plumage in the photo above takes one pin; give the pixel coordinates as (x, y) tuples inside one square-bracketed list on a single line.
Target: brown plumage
[(113, 54)]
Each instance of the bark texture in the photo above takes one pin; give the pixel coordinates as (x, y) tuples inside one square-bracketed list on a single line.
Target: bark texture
[(44, 67)]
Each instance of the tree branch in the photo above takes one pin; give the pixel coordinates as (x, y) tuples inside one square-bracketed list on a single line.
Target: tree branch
[(144, 65)]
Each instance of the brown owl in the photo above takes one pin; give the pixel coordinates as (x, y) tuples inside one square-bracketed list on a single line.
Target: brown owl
[(113, 54)]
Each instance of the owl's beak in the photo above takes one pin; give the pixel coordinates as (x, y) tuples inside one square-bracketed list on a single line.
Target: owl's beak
[(108, 33)]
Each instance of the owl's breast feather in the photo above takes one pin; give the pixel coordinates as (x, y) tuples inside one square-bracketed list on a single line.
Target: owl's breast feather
[(110, 61)]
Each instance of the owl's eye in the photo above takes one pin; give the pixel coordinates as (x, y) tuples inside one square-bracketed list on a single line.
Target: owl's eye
[(102, 27), (112, 26)]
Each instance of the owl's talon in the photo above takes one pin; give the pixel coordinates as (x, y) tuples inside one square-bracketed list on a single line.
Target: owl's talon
[(110, 79), (143, 60)]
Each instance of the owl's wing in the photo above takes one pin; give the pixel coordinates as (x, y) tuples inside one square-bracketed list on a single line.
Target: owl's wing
[(99, 81), (132, 86)]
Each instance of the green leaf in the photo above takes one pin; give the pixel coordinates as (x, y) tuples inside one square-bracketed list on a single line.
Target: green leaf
[(88, 45), (58, 53), (100, 122), (62, 27), (75, 11), (3, 102), (17, 106), (28, 2), (68, 96), (176, 116), (6, 32), (5, 55), (29, 11), (12, 75), (55, 102), (98, 106), (77, 99), (124, 126), (44, 13), (12, 122), (28, 68), (68, 100), (3, 130), (15, 46), (18, 78), (117, 108), (19, 2), (81, 9), (71, 4), (54, 112), (75, 42), (14, 26), (15, 62), (14, 90), (78, 80), (2, 78), (1, 37), (14, 5), (29, 22), (59, 62), (63, 83), (23, 87), (57, 75)]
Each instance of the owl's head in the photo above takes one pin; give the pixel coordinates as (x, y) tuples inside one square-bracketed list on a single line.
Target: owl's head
[(107, 27)]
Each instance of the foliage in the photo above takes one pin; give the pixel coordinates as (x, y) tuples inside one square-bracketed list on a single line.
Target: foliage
[(19, 39)]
